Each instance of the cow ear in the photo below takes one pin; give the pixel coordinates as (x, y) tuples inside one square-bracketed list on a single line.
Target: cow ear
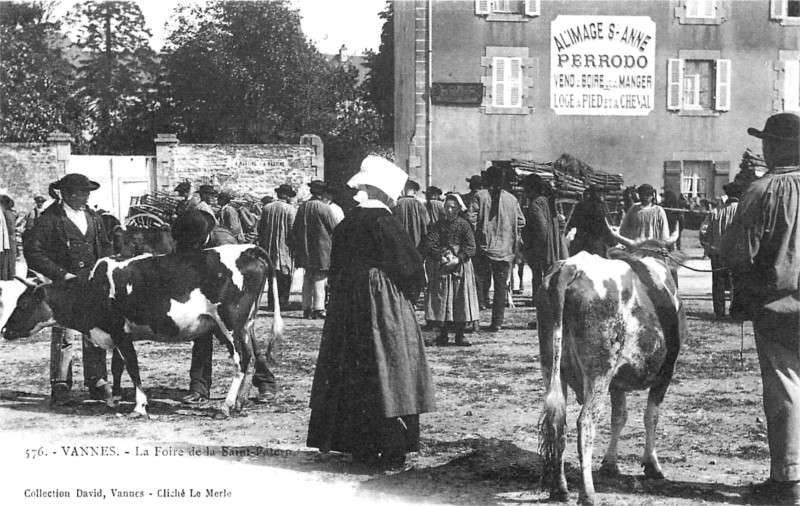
[(26, 282)]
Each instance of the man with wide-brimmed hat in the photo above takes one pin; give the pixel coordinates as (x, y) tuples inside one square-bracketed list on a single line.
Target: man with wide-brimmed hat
[(762, 245), (65, 242), (194, 230), (434, 204), (275, 236), (313, 234)]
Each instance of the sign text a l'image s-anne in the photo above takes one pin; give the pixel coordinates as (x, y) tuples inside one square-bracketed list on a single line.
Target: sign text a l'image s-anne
[(602, 65)]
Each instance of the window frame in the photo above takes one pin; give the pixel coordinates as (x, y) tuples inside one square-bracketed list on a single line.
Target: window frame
[(528, 9), (779, 10), (686, 16), (720, 84), (528, 67)]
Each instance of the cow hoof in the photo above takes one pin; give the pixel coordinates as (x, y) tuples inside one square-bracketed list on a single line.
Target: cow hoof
[(586, 500), (559, 495), (651, 472), (114, 401), (222, 414), (138, 414), (609, 469)]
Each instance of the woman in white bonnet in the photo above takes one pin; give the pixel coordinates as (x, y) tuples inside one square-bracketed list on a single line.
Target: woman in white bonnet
[(372, 379)]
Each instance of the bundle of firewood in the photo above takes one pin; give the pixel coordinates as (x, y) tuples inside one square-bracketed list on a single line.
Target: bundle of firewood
[(571, 177)]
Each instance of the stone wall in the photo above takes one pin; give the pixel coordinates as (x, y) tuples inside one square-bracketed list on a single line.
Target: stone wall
[(252, 170), (27, 169)]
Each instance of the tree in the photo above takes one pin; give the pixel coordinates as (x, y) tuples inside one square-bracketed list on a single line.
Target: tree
[(116, 75), (379, 84), (37, 91)]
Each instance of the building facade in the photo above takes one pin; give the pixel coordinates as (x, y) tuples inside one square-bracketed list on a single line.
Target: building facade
[(660, 91)]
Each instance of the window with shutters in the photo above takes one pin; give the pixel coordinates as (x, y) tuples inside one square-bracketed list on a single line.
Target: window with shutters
[(702, 12), (787, 82), (508, 80), (508, 10), (699, 84), (785, 11)]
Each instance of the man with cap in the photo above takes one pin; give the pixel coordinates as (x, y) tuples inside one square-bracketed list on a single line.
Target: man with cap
[(498, 221), (372, 379), (65, 243), (194, 230), (434, 204), (313, 233), (762, 245), (33, 215), (720, 221), (188, 200), (412, 213), (645, 220), (275, 236), (229, 216)]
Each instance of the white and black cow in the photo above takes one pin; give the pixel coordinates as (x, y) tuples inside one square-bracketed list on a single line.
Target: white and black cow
[(605, 325), (168, 298), (10, 290)]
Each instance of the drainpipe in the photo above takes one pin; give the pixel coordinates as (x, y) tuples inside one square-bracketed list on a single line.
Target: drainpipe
[(429, 140)]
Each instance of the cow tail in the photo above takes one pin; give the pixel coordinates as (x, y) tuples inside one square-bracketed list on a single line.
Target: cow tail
[(277, 320), (553, 421)]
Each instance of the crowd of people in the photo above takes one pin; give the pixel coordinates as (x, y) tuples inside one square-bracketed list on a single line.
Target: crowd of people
[(366, 269)]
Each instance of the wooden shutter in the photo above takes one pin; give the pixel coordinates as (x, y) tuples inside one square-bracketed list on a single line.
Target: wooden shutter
[(533, 7), (482, 7), (791, 85), (499, 72), (515, 81), (778, 8), (723, 96), (674, 83), (672, 176)]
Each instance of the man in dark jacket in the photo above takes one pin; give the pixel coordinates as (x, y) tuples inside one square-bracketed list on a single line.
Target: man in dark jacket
[(412, 213), (762, 244), (65, 243), (313, 234)]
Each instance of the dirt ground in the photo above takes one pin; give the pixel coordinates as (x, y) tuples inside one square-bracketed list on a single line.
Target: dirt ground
[(479, 448)]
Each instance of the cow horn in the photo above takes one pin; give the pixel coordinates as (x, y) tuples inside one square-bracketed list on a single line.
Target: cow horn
[(26, 282)]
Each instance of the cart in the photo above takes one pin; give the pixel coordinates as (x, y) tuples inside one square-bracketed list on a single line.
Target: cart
[(151, 211)]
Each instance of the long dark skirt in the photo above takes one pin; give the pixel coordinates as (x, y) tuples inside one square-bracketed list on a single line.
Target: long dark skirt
[(372, 379)]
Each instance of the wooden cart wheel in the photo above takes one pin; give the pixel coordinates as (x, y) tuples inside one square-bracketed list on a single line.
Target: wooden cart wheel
[(144, 220)]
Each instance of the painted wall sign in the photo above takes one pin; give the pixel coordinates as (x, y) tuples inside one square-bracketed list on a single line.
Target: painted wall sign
[(259, 163), (602, 65), (457, 93)]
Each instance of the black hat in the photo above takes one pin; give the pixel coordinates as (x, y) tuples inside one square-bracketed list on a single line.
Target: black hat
[(192, 226), (782, 127), (433, 191), (76, 182), (494, 173), (646, 189), (476, 179), (208, 188), (184, 186), (317, 187), (285, 189), (39, 198)]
